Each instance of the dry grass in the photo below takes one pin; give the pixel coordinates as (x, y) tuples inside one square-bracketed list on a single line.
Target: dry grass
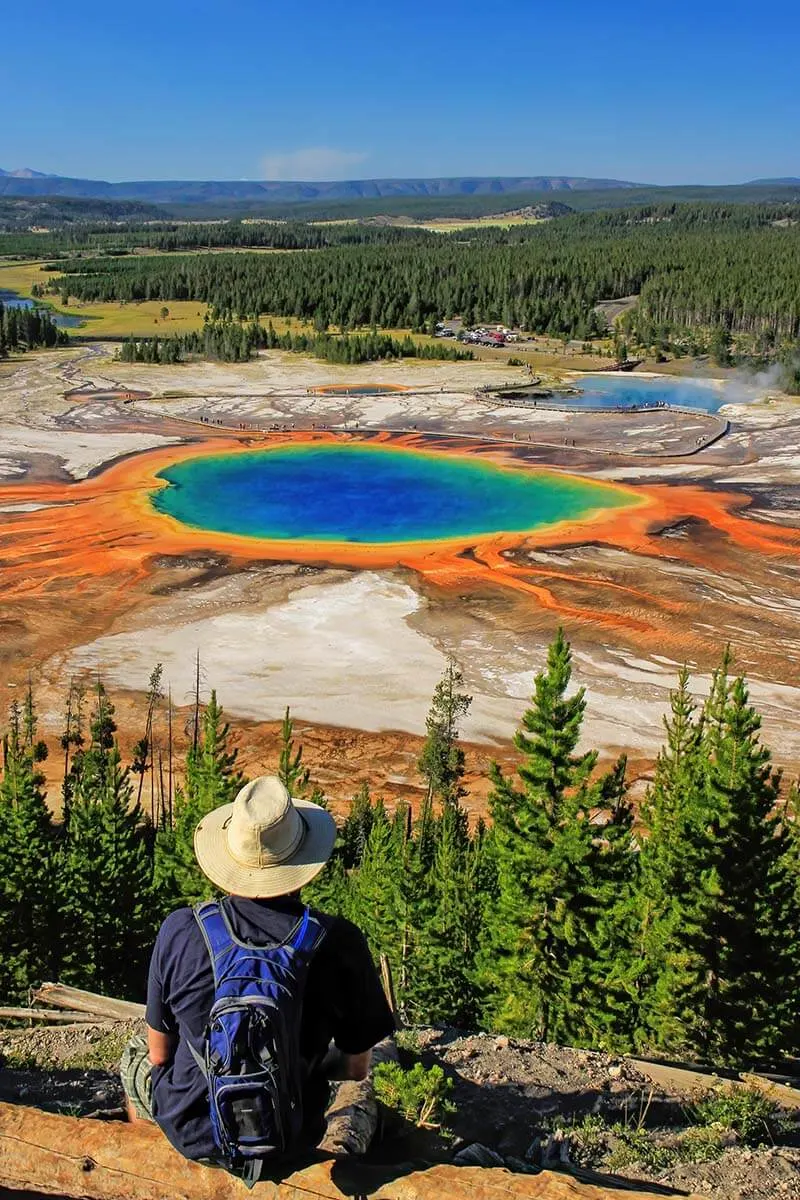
[(141, 319), (21, 276), (453, 226), (110, 319), (448, 224)]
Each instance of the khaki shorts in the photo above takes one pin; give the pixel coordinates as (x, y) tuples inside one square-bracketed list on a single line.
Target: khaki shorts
[(135, 1069)]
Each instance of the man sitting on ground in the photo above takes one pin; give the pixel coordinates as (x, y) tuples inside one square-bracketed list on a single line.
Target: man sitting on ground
[(259, 851)]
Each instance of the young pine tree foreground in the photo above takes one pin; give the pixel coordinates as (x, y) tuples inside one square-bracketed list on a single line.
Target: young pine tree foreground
[(720, 935), (564, 919), (212, 779), (551, 965), (28, 856)]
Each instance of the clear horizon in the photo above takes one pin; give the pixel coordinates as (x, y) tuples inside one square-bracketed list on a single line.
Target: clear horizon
[(696, 94)]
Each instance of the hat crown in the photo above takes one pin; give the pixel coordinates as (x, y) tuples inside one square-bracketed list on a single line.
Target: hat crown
[(264, 828)]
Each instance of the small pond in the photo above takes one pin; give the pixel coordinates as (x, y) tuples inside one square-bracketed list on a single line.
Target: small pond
[(365, 389), (13, 300)]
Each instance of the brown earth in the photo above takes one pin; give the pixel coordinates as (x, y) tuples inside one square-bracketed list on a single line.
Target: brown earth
[(519, 1100)]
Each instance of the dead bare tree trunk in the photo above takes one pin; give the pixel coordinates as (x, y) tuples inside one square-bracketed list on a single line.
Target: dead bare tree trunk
[(169, 737), (196, 733)]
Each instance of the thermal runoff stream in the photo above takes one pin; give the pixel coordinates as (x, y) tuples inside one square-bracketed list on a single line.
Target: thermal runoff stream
[(370, 495)]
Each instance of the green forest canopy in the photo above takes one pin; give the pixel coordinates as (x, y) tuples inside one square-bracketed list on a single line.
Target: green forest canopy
[(566, 917), (695, 268)]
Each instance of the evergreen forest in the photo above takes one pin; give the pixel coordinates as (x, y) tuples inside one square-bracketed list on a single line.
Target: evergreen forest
[(28, 329), (567, 915), (698, 271), (232, 341)]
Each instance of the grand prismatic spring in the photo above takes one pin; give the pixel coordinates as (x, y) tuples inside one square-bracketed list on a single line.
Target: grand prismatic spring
[(371, 494), (456, 513)]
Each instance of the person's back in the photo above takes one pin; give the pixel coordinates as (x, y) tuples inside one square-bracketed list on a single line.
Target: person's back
[(265, 846)]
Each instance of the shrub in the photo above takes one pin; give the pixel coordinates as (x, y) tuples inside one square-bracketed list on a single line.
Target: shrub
[(704, 1143), (419, 1095), (750, 1113), (638, 1146), (588, 1139)]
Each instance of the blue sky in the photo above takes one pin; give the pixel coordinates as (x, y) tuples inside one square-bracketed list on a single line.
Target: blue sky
[(253, 89)]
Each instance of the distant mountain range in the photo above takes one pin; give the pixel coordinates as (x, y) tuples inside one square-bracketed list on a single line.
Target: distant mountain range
[(26, 182), (25, 173)]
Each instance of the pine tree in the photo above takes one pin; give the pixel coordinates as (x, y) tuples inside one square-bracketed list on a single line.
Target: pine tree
[(144, 749), (441, 762), (291, 772), (720, 928), (610, 994), (440, 986), (333, 889), (28, 934), (678, 883), (377, 895), (538, 945), (790, 823), (753, 974), (105, 871), (72, 741), (212, 779), (356, 827)]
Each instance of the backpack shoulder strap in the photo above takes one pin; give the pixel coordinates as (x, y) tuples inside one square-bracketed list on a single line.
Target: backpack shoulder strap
[(217, 935), (225, 949), (308, 935), (219, 943)]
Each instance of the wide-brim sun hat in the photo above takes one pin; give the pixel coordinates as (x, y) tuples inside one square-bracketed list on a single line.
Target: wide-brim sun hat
[(266, 843)]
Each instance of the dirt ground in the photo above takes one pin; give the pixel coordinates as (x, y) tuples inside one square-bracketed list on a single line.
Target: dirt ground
[(521, 1101)]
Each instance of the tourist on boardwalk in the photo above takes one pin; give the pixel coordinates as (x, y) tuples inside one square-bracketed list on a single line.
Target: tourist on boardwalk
[(238, 1057)]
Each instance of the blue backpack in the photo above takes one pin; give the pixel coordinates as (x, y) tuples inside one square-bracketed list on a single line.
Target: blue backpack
[(251, 1054)]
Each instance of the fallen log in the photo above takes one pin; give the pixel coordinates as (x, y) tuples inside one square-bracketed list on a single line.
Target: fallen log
[(701, 1079), (52, 1016), (58, 995), (353, 1113), (109, 1160)]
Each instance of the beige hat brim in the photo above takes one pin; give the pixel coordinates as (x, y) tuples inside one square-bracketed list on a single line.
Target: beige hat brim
[(216, 861)]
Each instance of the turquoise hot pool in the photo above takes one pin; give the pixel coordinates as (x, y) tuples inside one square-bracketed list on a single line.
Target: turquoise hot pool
[(370, 494), (625, 391)]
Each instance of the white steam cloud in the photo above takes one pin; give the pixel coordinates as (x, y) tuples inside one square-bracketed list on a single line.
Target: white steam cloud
[(313, 163), (745, 386)]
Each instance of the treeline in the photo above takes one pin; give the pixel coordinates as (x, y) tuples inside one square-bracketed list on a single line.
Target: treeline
[(694, 271), (115, 238), (564, 918), (20, 213), (232, 341), (27, 329), (169, 236), (471, 205)]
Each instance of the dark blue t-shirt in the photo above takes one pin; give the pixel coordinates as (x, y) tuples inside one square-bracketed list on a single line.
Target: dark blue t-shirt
[(343, 1003)]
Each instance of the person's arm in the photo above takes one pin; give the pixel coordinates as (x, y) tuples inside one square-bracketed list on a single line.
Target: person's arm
[(362, 1016), (338, 1065), (160, 1046), (162, 1032)]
